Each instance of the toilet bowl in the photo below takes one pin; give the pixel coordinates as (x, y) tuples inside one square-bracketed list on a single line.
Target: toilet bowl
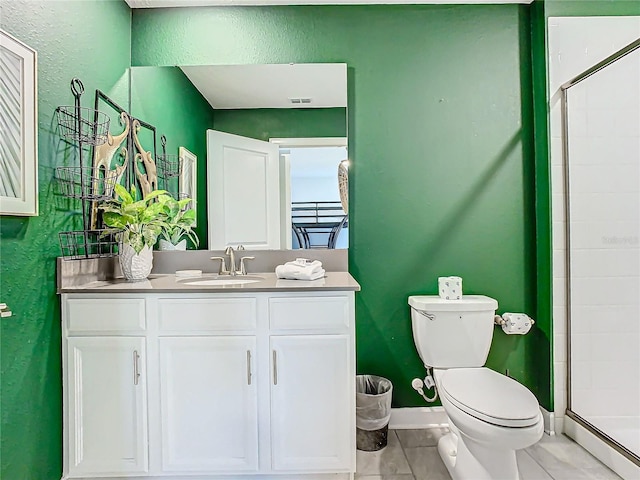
[(491, 415)]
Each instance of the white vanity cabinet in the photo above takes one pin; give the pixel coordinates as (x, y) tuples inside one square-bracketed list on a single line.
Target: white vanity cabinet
[(312, 385), (310, 423), (209, 385), (208, 394), (196, 419), (105, 389)]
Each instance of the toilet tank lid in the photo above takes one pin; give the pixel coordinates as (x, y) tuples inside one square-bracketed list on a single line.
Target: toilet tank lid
[(468, 303)]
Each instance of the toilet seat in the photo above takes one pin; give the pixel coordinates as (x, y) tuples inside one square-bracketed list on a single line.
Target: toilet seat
[(490, 396)]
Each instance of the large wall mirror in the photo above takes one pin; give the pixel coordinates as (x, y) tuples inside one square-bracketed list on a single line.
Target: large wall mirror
[(270, 143)]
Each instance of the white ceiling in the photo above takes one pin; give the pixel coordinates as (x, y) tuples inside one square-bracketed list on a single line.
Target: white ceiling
[(203, 3), (271, 86)]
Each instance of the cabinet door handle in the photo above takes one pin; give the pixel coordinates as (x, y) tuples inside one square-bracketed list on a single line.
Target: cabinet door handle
[(136, 370), (275, 368), (248, 367)]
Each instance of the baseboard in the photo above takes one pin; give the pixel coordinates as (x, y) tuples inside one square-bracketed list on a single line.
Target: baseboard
[(427, 417), (417, 417), (559, 422), (549, 421)]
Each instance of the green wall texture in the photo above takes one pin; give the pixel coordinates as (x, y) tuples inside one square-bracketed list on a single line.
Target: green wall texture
[(542, 179), (67, 37), (266, 123), (441, 136)]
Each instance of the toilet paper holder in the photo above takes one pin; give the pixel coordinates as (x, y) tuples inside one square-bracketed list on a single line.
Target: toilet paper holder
[(514, 323), (498, 320)]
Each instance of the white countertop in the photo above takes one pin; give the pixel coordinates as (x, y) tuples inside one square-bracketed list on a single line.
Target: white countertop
[(167, 283)]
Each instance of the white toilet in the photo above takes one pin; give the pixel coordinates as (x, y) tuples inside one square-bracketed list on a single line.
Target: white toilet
[(491, 415)]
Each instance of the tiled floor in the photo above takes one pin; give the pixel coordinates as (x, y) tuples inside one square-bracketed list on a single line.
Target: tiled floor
[(413, 455)]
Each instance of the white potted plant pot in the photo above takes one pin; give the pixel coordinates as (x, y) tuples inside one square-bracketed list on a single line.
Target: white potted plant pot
[(135, 266), (167, 245)]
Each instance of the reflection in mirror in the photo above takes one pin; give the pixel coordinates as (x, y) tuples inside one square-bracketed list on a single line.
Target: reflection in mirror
[(188, 177), (318, 217), (304, 104), (148, 176)]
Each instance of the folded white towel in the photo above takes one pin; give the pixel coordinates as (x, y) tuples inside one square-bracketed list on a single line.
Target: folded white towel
[(294, 271), (305, 262), (299, 275)]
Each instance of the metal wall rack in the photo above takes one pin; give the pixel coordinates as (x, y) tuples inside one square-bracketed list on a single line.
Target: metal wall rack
[(169, 168), (92, 181), (84, 127)]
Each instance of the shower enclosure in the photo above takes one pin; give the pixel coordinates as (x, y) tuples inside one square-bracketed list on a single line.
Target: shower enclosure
[(601, 168)]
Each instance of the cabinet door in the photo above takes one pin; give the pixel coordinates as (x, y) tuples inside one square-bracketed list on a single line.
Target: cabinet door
[(311, 403), (208, 404), (107, 409)]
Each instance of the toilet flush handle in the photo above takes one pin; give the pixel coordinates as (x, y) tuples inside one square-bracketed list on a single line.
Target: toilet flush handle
[(424, 313)]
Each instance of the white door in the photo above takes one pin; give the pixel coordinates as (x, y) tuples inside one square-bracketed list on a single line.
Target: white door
[(311, 395), (243, 192), (208, 404), (107, 406)]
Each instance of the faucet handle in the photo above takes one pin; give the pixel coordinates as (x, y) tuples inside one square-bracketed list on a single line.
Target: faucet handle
[(243, 269), (223, 265)]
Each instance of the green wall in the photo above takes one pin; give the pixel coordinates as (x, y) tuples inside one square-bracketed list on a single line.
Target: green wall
[(542, 179), (67, 37), (266, 123), (165, 98), (441, 138)]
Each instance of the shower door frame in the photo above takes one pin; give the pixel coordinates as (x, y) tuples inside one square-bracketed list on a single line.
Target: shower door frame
[(623, 52)]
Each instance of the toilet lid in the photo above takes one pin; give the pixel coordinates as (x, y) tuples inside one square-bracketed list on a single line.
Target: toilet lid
[(490, 396)]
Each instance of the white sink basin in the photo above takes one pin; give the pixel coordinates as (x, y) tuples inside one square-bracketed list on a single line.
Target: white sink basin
[(221, 280)]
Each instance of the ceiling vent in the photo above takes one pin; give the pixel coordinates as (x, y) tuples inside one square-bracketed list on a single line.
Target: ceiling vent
[(300, 101)]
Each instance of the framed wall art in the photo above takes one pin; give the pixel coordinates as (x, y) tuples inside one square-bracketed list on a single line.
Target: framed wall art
[(187, 182), (18, 128)]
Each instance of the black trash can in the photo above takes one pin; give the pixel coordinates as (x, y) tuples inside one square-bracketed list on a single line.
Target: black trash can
[(373, 410)]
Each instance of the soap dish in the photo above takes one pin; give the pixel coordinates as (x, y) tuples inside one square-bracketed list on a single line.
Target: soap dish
[(188, 273)]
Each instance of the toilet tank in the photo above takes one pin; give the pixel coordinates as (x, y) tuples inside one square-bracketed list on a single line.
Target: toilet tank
[(452, 333)]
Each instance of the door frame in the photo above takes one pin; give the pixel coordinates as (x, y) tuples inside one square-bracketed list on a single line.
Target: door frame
[(285, 177)]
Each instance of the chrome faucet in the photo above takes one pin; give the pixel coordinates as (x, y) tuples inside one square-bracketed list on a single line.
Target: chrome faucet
[(232, 270), (232, 260)]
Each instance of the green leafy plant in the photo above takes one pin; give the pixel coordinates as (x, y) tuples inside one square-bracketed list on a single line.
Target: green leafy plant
[(178, 222), (139, 221)]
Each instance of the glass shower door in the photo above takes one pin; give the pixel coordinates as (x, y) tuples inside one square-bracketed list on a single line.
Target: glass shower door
[(602, 176)]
